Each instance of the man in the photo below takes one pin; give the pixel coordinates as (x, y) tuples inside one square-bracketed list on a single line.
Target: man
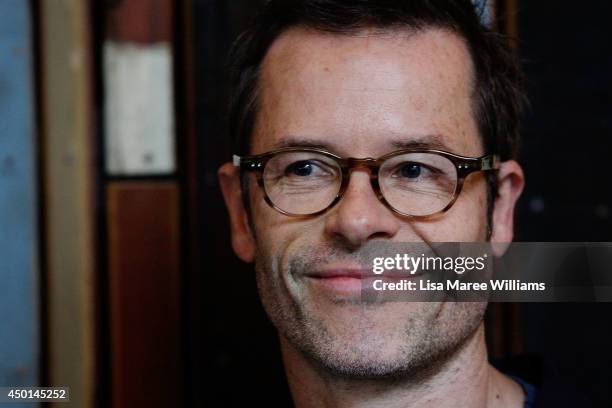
[(425, 88)]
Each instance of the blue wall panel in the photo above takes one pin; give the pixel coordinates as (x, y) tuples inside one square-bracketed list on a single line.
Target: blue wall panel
[(19, 328)]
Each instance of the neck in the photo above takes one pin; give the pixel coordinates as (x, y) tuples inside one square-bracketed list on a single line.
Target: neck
[(465, 379)]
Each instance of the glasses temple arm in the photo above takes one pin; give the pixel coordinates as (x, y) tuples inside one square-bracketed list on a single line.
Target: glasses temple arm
[(491, 162)]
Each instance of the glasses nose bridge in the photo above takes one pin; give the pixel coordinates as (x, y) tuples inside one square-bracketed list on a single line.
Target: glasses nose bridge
[(367, 163), (364, 163)]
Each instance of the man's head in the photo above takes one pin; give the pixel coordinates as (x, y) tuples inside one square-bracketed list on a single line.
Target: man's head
[(360, 79)]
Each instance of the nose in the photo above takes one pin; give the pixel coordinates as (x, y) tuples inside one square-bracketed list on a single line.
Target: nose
[(360, 216)]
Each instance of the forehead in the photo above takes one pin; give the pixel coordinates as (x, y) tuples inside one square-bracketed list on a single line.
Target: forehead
[(362, 94)]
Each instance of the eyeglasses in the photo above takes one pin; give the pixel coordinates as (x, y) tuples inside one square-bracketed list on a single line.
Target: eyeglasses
[(305, 182)]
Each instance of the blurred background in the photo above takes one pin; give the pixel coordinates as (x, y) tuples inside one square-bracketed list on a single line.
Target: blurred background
[(117, 275)]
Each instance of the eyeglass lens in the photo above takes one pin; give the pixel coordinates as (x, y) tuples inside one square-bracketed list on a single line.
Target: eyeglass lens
[(417, 184)]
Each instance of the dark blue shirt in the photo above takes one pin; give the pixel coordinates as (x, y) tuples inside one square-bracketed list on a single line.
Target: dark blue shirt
[(530, 392)]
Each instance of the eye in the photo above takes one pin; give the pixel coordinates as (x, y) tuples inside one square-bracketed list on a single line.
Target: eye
[(411, 170), (301, 169)]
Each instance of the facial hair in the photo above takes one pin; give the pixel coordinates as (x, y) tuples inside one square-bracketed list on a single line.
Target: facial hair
[(372, 340)]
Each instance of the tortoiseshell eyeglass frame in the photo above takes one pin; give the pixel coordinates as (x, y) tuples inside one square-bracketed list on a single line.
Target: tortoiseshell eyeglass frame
[(463, 164)]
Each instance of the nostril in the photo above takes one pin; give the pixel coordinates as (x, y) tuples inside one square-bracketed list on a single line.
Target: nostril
[(380, 234)]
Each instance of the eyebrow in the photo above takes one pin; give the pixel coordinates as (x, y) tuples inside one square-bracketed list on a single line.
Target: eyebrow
[(292, 141), (432, 141), (423, 142)]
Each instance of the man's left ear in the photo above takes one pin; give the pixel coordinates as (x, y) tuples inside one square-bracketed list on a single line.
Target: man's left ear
[(511, 181)]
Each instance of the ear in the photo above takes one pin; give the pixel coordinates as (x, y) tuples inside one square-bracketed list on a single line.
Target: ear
[(511, 181), (242, 238)]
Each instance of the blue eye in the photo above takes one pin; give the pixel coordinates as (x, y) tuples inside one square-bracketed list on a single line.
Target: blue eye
[(411, 170), (302, 169)]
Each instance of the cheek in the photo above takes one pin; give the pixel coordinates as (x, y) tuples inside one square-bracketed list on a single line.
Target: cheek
[(263, 220), (466, 221), (471, 208), (276, 233)]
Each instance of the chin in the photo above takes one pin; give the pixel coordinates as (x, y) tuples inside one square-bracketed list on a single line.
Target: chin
[(371, 357), (390, 341)]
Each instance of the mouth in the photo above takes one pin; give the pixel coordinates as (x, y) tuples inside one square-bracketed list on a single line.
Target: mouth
[(350, 282), (338, 281)]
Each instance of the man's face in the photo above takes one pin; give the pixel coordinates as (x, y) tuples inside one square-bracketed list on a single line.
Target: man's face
[(363, 96)]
